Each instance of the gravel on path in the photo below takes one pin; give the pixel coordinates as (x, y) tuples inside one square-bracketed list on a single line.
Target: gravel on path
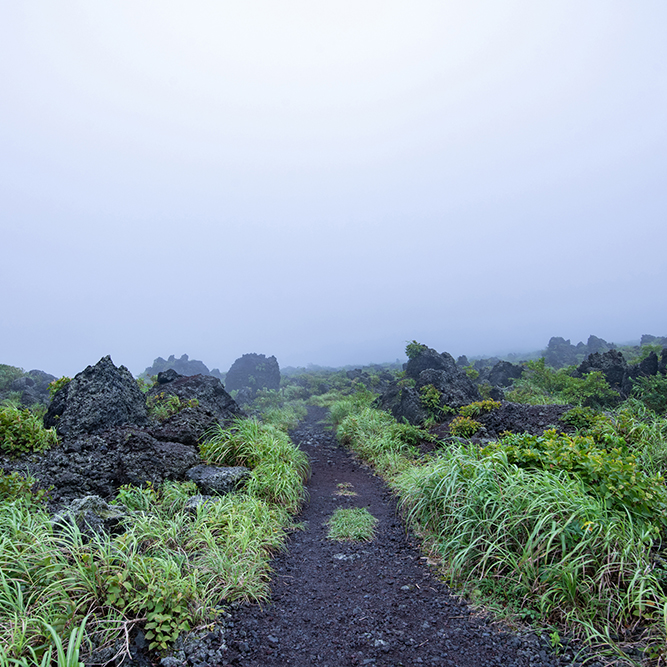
[(379, 603)]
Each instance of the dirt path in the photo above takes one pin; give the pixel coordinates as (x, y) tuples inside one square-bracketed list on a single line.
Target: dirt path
[(338, 604)]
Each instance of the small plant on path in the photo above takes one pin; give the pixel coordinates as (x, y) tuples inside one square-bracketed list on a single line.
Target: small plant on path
[(356, 524)]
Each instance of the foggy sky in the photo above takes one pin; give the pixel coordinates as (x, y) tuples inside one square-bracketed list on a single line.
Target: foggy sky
[(324, 181)]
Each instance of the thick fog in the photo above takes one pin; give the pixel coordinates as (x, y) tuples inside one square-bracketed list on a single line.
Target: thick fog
[(325, 181)]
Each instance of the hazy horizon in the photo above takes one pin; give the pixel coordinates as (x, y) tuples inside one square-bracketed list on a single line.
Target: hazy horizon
[(324, 182)]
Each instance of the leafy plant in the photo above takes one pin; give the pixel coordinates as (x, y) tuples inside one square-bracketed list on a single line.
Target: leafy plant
[(652, 392), (472, 373), (58, 384), (464, 427), (355, 524), (14, 486), (146, 383), (541, 384), (430, 399), (580, 418), (478, 408), (413, 349), (21, 431), (610, 474)]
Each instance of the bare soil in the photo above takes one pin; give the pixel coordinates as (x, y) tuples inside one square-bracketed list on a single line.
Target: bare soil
[(380, 603)]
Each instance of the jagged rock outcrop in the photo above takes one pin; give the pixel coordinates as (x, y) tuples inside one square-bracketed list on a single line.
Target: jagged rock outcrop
[(404, 403), (253, 371), (648, 366), (99, 463), (612, 364), (100, 397), (456, 388), (520, 418), (207, 390), (108, 439), (504, 373), (183, 366), (92, 515), (561, 352), (429, 367), (34, 387)]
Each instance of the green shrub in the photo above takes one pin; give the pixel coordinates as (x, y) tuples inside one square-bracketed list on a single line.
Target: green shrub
[(652, 392), (146, 383), (472, 373), (14, 486), (413, 349), (541, 384), (58, 384), (580, 418), (610, 474), (464, 427), (430, 399), (21, 431), (478, 408)]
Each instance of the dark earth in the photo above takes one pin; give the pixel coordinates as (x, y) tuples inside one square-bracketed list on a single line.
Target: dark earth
[(378, 603)]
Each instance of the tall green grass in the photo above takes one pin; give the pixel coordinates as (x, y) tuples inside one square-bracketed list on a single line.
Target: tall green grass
[(279, 469), (535, 539)]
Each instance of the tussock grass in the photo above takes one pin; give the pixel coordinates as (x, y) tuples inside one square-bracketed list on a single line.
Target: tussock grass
[(355, 524), (535, 540), (169, 570), (279, 469)]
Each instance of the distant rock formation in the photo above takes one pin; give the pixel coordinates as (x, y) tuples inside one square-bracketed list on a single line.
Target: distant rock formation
[(32, 386), (253, 372), (183, 366)]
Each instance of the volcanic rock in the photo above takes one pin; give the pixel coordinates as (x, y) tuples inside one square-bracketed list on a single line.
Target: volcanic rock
[(254, 371), (98, 398), (219, 481), (206, 389)]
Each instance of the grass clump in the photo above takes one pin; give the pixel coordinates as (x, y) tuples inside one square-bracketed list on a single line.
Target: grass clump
[(21, 431), (279, 469), (162, 406), (354, 524), (536, 539)]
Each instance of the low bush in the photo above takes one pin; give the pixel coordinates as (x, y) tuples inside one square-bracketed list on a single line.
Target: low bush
[(478, 408), (612, 475), (21, 431), (541, 384), (464, 427), (58, 384), (652, 392)]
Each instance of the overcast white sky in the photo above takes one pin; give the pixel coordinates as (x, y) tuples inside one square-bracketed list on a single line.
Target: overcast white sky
[(323, 181)]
